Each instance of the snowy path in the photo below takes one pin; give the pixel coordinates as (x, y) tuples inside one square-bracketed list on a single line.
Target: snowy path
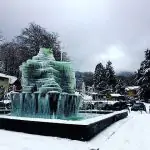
[(132, 133)]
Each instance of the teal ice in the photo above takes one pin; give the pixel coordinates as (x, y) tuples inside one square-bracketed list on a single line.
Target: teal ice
[(48, 88)]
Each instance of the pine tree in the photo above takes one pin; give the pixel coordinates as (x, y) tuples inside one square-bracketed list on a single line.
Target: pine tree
[(110, 75), (100, 77), (143, 76), (120, 86), (124, 81)]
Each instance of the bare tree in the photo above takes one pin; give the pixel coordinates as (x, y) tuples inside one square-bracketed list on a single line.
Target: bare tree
[(35, 37), (12, 55), (25, 46)]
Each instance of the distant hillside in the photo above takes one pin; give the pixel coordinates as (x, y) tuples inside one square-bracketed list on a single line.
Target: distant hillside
[(125, 73)]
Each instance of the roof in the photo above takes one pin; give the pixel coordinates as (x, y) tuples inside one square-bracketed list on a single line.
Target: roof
[(87, 97), (93, 93), (132, 88), (12, 79), (115, 95)]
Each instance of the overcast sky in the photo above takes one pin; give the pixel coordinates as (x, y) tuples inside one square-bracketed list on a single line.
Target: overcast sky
[(91, 31)]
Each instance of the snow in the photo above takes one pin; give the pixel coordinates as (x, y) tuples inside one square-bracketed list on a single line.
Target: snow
[(12, 79), (20, 141), (131, 133), (101, 101), (9, 93), (115, 95), (86, 97), (112, 102), (147, 70), (6, 101), (77, 93), (93, 93), (132, 88), (147, 107), (106, 101)]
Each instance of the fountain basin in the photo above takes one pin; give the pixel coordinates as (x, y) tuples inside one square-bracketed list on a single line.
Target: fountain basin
[(82, 130), (49, 92)]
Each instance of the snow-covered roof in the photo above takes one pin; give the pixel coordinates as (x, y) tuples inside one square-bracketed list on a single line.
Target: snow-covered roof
[(77, 93), (115, 95), (101, 101), (12, 79), (132, 88), (7, 101), (93, 93), (87, 97)]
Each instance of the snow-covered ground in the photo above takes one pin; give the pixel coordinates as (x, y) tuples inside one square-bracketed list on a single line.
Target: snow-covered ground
[(131, 133)]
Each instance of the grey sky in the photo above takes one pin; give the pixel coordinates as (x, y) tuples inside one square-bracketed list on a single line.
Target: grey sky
[(91, 31)]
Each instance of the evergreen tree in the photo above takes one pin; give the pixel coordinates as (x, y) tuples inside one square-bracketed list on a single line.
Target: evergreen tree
[(143, 76), (110, 75), (146, 63), (88, 78), (127, 80), (120, 86), (100, 77)]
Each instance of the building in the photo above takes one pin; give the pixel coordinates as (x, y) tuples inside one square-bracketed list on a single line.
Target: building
[(132, 90), (6, 80)]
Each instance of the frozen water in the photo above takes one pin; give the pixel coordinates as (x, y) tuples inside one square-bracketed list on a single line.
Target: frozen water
[(48, 88)]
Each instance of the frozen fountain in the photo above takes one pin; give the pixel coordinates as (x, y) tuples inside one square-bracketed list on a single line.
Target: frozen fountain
[(48, 88), (48, 104)]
